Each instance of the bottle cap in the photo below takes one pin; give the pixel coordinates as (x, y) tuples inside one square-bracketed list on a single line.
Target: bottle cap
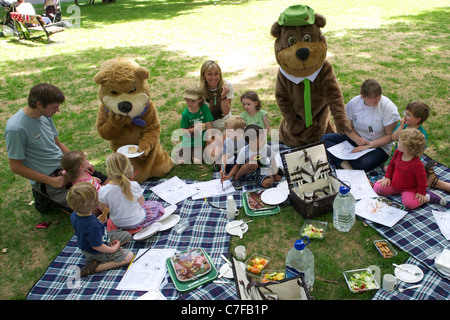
[(300, 245), (344, 189)]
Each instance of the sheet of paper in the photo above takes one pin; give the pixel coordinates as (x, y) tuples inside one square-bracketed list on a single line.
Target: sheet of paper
[(344, 149), (360, 185), (211, 188), (443, 221), (378, 212), (173, 190), (147, 273)]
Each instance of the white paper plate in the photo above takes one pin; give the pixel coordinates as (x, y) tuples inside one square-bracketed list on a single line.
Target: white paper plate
[(169, 222), (439, 268), (124, 150), (168, 211), (147, 232), (406, 276), (274, 196), (232, 228)]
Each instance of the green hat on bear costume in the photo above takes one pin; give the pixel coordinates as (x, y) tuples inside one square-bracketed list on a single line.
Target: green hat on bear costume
[(297, 15)]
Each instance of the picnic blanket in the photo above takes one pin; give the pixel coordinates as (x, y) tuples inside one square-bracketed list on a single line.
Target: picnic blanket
[(207, 231), (419, 235)]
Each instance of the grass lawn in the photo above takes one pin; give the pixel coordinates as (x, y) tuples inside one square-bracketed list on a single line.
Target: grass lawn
[(404, 44)]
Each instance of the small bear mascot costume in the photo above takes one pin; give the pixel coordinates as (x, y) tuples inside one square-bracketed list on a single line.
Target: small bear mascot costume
[(306, 87), (127, 116)]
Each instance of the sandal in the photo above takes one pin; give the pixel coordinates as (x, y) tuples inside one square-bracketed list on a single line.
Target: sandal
[(430, 172), (89, 268)]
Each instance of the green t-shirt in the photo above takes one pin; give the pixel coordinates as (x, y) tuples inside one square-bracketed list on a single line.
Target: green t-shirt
[(256, 119), (189, 119)]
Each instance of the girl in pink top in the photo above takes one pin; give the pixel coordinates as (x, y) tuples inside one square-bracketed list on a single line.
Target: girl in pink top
[(406, 174), (77, 168)]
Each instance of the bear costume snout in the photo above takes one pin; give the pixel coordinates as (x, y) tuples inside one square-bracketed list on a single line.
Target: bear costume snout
[(125, 106), (302, 53)]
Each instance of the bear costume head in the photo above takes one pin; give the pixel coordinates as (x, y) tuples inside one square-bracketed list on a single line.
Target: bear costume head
[(127, 116), (306, 87)]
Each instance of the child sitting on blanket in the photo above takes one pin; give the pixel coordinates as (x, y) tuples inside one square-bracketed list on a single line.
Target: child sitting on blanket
[(127, 208), (234, 130), (406, 174), (77, 168), (256, 161), (92, 238)]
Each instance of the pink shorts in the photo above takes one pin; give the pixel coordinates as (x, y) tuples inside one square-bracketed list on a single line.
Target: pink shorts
[(408, 198)]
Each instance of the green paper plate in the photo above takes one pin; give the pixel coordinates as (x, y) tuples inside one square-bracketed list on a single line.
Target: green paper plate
[(187, 286)]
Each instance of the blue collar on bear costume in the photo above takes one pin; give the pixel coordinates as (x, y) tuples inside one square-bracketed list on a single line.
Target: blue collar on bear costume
[(137, 120)]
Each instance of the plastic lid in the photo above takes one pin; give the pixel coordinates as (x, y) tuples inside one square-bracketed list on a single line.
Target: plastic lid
[(300, 245), (344, 189)]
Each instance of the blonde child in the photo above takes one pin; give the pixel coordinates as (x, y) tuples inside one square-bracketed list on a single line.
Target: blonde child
[(92, 237), (127, 208), (233, 143), (76, 168), (253, 113), (406, 174), (195, 120)]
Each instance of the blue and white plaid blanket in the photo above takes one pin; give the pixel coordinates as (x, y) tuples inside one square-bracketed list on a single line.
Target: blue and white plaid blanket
[(417, 233), (207, 231)]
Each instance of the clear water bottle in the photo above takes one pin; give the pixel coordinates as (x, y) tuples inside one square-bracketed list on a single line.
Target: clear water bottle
[(344, 210), (301, 260)]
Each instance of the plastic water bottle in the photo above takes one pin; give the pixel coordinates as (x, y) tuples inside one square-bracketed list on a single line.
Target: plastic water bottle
[(344, 210), (300, 260)]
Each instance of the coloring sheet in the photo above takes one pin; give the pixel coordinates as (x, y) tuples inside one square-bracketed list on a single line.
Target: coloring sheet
[(211, 188), (379, 212), (344, 149), (443, 221), (173, 190), (147, 273), (360, 185)]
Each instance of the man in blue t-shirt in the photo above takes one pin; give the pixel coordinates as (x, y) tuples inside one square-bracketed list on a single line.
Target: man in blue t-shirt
[(34, 150)]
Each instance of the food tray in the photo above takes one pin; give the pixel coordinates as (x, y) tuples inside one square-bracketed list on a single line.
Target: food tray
[(255, 202), (259, 213), (187, 286), (370, 283), (316, 226), (385, 248), (190, 265)]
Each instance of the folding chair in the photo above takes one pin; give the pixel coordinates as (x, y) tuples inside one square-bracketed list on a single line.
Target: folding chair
[(37, 25)]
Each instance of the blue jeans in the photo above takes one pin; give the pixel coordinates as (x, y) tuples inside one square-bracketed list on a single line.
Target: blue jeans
[(366, 162)]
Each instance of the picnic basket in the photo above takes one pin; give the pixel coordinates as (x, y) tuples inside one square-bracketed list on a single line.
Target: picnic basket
[(312, 185)]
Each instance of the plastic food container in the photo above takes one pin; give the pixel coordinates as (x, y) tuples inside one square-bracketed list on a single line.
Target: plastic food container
[(272, 275), (256, 264), (181, 226), (385, 248), (190, 265), (314, 229), (360, 280)]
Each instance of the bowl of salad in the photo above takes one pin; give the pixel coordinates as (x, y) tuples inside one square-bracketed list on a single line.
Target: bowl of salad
[(314, 229), (360, 280)]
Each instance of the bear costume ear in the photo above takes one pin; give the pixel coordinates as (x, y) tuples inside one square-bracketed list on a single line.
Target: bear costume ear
[(320, 20), (142, 73), (276, 30), (99, 78)]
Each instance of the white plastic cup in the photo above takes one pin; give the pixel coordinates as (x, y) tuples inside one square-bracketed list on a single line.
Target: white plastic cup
[(240, 252), (389, 282)]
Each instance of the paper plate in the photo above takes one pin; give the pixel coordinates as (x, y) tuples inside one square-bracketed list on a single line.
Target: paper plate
[(147, 232), (274, 196), (440, 268), (169, 222), (406, 276), (124, 150), (232, 228), (168, 211), (226, 271)]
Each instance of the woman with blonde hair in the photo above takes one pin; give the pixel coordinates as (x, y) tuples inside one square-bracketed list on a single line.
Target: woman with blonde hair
[(128, 209)]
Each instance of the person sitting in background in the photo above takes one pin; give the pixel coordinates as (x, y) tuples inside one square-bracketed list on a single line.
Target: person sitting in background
[(23, 7)]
